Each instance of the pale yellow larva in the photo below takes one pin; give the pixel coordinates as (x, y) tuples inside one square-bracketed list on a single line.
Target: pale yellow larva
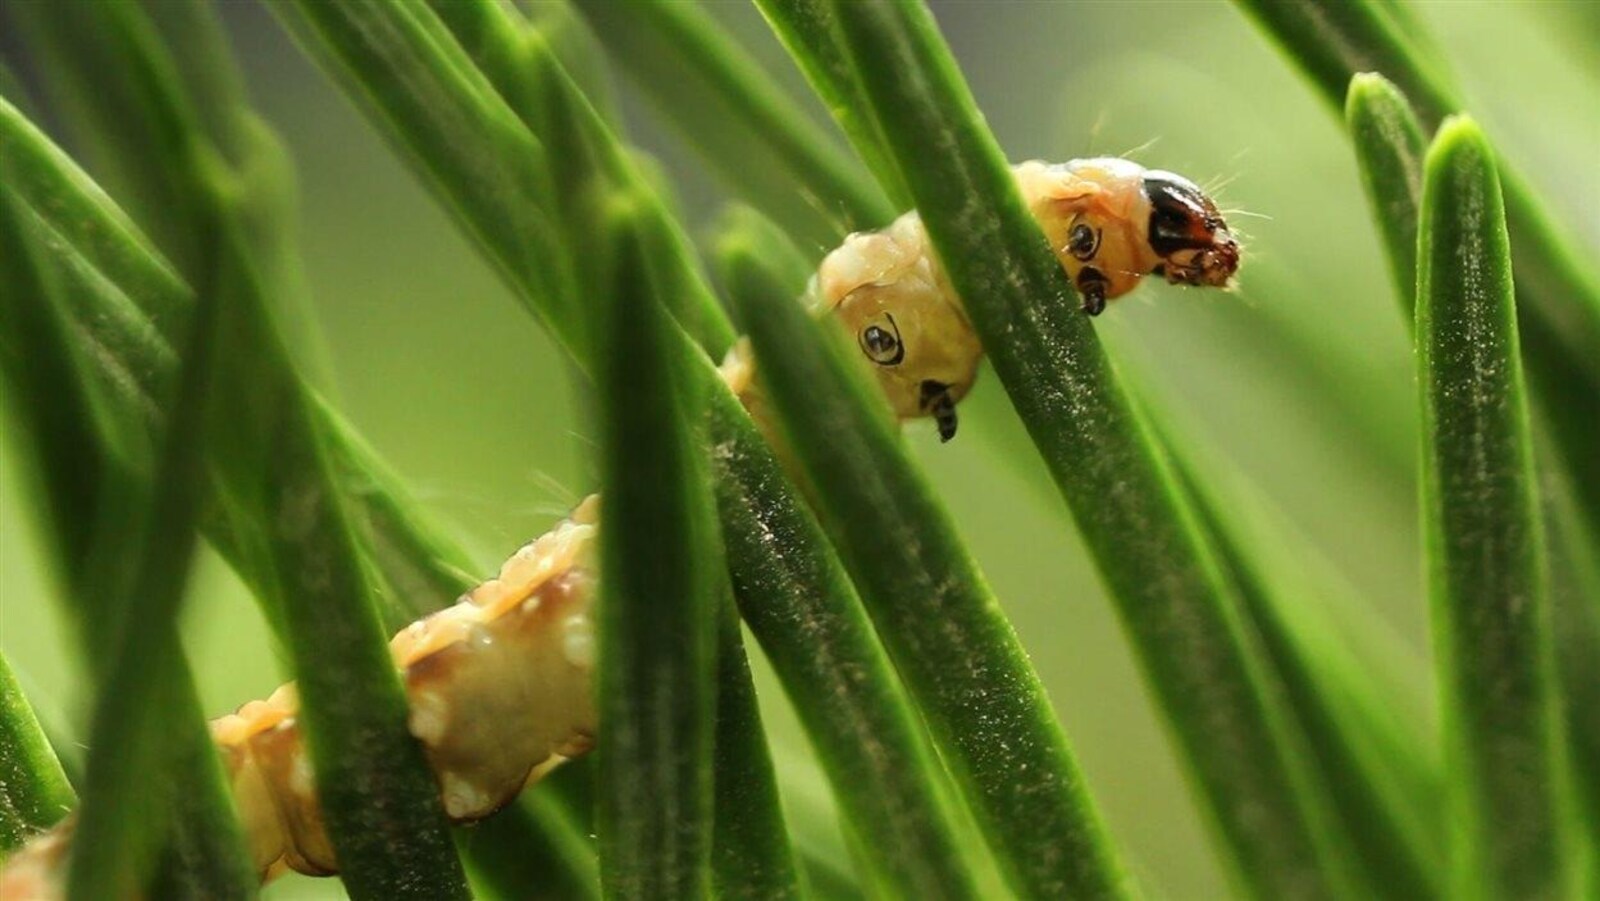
[(499, 692), (1109, 221), (499, 685)]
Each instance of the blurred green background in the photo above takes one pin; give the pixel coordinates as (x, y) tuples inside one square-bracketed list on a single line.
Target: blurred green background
[(1297, 387)]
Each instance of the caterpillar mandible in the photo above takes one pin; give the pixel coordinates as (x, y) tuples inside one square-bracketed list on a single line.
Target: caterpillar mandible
[(499, 684)]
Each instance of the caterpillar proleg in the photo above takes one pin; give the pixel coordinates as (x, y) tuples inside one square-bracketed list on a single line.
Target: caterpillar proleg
[(499, 685)]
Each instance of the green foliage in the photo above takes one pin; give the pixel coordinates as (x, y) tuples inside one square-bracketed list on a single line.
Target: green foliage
[(797, 600), (726, 106), (1045, 352), (928, 601), (423, 90), (1389, 145), (380, 802), (1485, 543), (1559, 305), (989, 716), (34, 793), (130, 305), (1391, 824), (121, 291), (145, 707), (111, 355), (791, 589), (64, 437), (267, 454), (806, 28), (137, 127), (660, 590), (589, 163), (751, 855), (123, 550)]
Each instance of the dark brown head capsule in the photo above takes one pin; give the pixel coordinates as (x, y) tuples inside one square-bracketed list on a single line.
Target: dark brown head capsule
[(1187, 233)]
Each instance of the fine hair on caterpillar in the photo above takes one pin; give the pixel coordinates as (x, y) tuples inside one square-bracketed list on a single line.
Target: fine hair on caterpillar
[(499, 685)]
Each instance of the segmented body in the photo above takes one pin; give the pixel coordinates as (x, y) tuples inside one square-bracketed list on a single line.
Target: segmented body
[(499, 685), (498, 688), (499, 692)]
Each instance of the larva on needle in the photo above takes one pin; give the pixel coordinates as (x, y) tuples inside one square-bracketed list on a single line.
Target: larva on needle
[(1110, 222), (499, 685), (499, 692)]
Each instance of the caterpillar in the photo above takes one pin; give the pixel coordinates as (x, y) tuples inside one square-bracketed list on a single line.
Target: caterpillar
[(520, 643), (1110, 222), (498, 684)]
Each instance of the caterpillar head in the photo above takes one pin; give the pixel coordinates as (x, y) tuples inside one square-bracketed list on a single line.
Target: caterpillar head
[(886, 292), (1187, 233), (1111, 222)]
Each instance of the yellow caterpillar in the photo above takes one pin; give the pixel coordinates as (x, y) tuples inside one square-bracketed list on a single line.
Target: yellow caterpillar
[(1110, 222), (499, 683)]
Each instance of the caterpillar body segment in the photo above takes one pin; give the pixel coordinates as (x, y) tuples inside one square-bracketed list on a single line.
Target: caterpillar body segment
[(888, 289), (499, 685), (37, 871), (499, 692)]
